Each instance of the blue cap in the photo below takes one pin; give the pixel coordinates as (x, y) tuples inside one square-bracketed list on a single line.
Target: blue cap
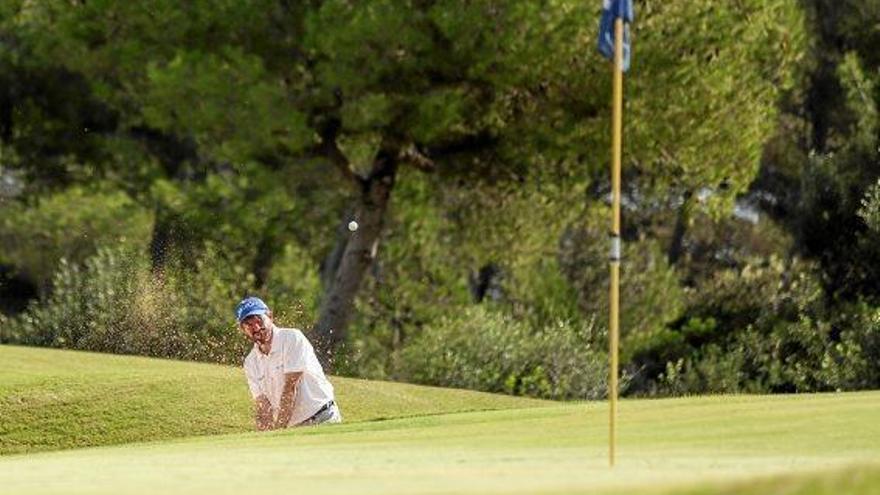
[(250, 306)]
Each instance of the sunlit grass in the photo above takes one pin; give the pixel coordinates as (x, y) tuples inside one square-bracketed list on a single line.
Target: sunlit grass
[(51, 399), (700, 446), (790, 444)]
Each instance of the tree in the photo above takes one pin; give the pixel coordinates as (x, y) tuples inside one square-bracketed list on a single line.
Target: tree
[(482, 91), (820, 164)]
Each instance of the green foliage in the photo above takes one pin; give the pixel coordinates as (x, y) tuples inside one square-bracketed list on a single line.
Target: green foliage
[(295, 286), (655, 347), (520, 229), (754, 328), (858, 349), (733, 242), (796, 356), (482, 349), (86, 305), (652, 295), (112, 303), (870, 210), (861, 97), (228, 208), (437, 240), (714, 71), (835, 192), (761, 292), (846, 25), (215, 117), (233, 110), (68, 224), (420, 276), (768, 331)]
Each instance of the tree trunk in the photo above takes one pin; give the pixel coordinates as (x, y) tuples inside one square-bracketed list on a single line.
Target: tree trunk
[(360, 252), (682, 221), (823, 98), (330, 263), (485, 282)]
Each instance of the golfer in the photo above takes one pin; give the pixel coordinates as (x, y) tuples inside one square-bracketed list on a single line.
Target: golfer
[(286, 380)]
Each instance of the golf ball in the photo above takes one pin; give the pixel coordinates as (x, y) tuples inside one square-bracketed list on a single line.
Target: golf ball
[(352, 225)]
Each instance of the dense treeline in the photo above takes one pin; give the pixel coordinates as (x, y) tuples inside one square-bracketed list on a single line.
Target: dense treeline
[(161, 160)]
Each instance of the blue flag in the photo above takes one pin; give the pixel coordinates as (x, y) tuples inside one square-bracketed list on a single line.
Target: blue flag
[(611, 10)]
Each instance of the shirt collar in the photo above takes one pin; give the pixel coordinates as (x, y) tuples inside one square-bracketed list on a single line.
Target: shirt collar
[(275, 349)]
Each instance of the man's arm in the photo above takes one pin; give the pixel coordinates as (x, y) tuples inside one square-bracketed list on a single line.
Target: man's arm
[(263, 413), (288, 397)]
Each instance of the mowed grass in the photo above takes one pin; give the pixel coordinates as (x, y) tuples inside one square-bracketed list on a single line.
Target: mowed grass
[(793, 445), (817, 444), (52, 399)]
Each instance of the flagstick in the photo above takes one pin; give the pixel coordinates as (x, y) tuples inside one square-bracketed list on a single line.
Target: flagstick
[(614, 299)]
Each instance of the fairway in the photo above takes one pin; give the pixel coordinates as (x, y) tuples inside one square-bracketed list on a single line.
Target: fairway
[(805, 444), (665, 445)]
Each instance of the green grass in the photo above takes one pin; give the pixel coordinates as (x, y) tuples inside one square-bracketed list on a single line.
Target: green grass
[(52, 399), (699, 446), (793, 445), (855, 480)]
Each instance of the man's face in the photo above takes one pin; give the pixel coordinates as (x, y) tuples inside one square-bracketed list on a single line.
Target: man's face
[(256, 329)]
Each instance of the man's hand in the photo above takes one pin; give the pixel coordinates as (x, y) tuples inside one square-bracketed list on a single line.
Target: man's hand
[(288, 397), (263, 413)]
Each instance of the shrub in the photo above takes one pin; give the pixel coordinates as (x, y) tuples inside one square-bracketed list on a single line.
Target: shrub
[(481, 349), (760, 293), (651, 295), (800, 356), (716, 370), (87, 305), (70, 224), (295, 284), (113, 303), (760, 328), (858, 349)]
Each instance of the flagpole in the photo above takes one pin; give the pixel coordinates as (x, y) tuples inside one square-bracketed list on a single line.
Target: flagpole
[(614, 299)]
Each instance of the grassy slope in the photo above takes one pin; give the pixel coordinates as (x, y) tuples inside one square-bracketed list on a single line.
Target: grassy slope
[(804, 445), (51, 399), (855, 480), (735, 445)]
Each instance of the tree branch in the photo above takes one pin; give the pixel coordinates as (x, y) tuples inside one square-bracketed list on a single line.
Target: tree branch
[(329, 149), (411, 155)]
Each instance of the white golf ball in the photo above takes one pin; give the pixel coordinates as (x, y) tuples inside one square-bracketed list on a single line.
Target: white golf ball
[(352, 225)]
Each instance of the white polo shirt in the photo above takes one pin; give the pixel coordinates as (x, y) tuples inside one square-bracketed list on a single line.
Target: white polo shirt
[(291, 352)]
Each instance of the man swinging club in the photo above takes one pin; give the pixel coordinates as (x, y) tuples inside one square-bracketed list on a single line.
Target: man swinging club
[(285, 378)]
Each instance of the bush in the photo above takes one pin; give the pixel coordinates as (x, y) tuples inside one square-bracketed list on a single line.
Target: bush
[(858, 349), (87, 304), (801, 356), (113, 303), (760, 293), (70, 224), (651, 295), (759, 328), (716, 371), (481, 349), (296, 284)]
